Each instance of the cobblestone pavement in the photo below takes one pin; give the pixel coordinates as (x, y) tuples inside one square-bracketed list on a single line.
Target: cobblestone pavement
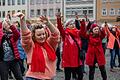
[(111, 75)]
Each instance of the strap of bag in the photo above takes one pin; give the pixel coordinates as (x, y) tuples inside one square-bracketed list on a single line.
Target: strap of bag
[(78, 48)]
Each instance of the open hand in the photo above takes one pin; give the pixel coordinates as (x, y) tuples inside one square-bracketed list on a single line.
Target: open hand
[(44, 19), (58, 15), (19, 14)]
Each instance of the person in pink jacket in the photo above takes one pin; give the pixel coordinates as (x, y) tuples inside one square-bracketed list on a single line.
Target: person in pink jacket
[(113, 44), (39, 46)]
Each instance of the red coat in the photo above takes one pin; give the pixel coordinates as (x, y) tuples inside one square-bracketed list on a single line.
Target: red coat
[(95, 51), (70, 56)]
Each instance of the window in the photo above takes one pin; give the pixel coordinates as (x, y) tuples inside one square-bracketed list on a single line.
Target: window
[(44, 11), (57, 10), (23, 2), (104, 0), (9, 3), (104, 12), (38, 12), (44, 1), (111, 0), (58, 1), (51, 13), (18, 11), (51, 1), (112, 11), (23, 11), (18, 2), (32, 2), (0, 14), (3, 14), (13, 2), (84, 12), (8, 14), (13, 12), (0, 2), (3, 2), (38, 2), (118, 11), (90, 11), (31, 12)]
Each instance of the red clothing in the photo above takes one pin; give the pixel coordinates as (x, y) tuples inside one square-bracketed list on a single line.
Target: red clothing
[(13, 38), (38, 60), (70, 56), (95, 49)]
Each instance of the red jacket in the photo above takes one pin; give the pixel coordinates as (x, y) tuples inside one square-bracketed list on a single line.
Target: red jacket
[(13, 38), (70, 56), (95, 49)]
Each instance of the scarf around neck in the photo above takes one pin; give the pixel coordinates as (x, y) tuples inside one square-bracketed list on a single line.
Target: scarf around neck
[(38, 60), (73, 32)]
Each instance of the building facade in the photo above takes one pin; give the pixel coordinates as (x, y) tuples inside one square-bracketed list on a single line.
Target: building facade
[(31, 8), (44, 7), (84, 8), (34, 8), (107, 10), (12, 6)]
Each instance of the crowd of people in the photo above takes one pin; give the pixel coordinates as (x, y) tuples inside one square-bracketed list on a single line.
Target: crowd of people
[(46, 48)]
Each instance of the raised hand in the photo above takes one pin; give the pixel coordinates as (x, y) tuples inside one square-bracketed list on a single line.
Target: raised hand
[(19, 14), (76, 15), (58, 15), (44, 19)]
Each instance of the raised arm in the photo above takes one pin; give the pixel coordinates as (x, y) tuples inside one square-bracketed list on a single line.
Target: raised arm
[(60, 26), (1, 32), (26, 36), (55, 34), (107, 29), (49, 24), (83, 31), (103, 33), (77, 22), (9, 25)]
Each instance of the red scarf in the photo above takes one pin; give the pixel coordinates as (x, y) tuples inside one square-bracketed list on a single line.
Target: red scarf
[(38, 60), (73, 32)]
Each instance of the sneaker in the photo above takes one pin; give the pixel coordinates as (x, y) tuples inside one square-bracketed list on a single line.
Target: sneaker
[(112, 70)]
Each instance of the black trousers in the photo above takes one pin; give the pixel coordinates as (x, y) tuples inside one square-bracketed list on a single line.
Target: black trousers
[(77, 70), (5, 66), (58, 58), (92, 71), (21, 63)]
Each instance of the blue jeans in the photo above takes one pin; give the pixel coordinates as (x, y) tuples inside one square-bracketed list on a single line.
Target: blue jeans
[(29, 78), (5, 66), (113, 53)]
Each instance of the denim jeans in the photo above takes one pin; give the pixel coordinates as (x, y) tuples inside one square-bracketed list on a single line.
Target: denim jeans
[(113, 53), (29, 78), (5, 66)]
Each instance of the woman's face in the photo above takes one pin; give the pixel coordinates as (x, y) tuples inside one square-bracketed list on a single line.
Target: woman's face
[(40, 35), (96, 30), (71, 26)]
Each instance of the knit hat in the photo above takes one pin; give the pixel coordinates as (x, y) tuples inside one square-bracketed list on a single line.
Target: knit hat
[(69, 21), (93, 26)]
